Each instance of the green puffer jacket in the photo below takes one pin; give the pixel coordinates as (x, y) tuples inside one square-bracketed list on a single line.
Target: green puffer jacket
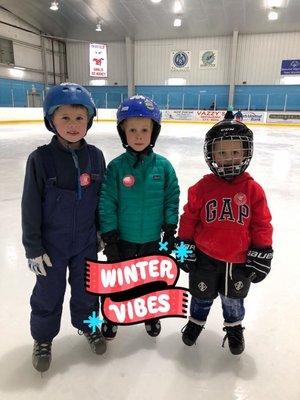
[(138, 206)]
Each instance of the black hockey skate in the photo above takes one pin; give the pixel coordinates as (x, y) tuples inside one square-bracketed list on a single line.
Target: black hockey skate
[(190, 333), (235, 337), (41, 356), (153, 327), (109, 330), (96, 341)]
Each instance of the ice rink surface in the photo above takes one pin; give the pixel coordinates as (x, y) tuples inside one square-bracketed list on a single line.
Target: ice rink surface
[(135, 366)]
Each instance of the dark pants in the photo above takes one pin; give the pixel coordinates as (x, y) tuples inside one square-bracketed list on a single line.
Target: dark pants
[(233, 309), (130, 250), (209, 278), (48, 296)]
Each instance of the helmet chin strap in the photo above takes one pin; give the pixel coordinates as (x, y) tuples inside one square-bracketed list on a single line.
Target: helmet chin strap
[(144, 151), (139, 154)]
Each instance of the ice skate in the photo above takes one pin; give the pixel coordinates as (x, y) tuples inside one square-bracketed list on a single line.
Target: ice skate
[(109, 330), (190, 333), (235, 337), (41, 356), (153, 327), (96, 341)]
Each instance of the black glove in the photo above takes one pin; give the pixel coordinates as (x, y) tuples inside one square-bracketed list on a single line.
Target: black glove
[(169, 231), (100, 243), (259, 263), (191, 258), (111, 248)]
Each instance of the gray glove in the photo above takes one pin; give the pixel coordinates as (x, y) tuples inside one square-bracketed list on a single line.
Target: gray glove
[(37, 265)]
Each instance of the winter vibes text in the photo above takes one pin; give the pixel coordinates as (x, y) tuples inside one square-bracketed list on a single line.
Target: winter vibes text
[(109, 279)]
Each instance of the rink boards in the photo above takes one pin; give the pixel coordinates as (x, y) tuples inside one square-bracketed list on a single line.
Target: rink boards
[(290, 118)]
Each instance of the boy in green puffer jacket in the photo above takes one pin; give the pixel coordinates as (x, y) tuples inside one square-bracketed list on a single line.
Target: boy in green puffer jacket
[(140, 195)]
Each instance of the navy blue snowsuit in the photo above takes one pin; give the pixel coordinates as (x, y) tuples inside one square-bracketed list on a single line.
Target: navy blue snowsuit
[(59, 205)]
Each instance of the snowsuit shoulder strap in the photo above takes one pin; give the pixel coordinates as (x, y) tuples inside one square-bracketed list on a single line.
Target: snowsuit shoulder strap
[(48, 163)]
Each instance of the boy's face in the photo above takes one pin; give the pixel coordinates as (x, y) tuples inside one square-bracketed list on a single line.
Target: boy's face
[(138, 132), (228, 152), (71, 122)]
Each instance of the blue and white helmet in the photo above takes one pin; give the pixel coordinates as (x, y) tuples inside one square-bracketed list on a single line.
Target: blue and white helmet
[(67, 94), (139, 107)]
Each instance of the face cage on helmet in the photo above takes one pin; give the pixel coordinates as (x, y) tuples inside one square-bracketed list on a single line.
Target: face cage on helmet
[(228, 171)]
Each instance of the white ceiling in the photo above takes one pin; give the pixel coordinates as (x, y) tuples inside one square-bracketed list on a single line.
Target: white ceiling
[(142, 19)]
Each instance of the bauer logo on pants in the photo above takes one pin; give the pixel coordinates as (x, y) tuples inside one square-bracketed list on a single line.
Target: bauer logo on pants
[(202, 286), (238, 285)]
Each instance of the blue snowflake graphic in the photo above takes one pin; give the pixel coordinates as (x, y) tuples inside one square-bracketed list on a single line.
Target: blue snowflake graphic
[(93, 321), (182, 252), (163, 246)]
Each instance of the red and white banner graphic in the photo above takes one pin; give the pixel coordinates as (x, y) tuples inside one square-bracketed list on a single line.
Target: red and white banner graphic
[(98, 60), (160, 304), (106, 278), (128, 289)]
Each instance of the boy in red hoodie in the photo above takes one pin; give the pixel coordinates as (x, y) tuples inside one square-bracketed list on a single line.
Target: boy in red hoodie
[(228, 224)]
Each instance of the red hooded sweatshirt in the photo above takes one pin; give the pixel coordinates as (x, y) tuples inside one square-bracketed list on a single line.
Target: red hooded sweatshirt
[(225, 218)]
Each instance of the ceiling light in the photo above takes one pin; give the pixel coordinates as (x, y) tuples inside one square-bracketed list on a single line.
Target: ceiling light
[(54, 5), (273, 15), (98, 27), (177, 7), (177, 22), (156, 1)]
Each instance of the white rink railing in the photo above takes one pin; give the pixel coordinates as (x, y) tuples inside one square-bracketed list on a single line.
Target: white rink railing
[(27, 114)]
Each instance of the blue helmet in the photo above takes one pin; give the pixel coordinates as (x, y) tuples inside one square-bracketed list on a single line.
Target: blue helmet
[(64, 94), (139, 107)]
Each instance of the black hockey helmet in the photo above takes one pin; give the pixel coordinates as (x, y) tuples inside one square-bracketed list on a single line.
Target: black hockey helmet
[(223, 131)]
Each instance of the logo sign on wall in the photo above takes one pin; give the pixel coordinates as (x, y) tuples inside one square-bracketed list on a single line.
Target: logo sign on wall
[(209, 116), (283, 117), (98, 60), (180, 60), (290, 67), (208, 59)]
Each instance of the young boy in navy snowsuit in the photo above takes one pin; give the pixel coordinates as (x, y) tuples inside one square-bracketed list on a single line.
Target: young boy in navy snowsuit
[(59, 202)]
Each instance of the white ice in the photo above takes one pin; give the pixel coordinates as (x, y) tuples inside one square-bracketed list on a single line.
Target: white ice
[(136, 366)]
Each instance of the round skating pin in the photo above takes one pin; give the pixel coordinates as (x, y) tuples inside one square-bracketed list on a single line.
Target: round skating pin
[(85, 179), (240, 199), (128, 180)]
